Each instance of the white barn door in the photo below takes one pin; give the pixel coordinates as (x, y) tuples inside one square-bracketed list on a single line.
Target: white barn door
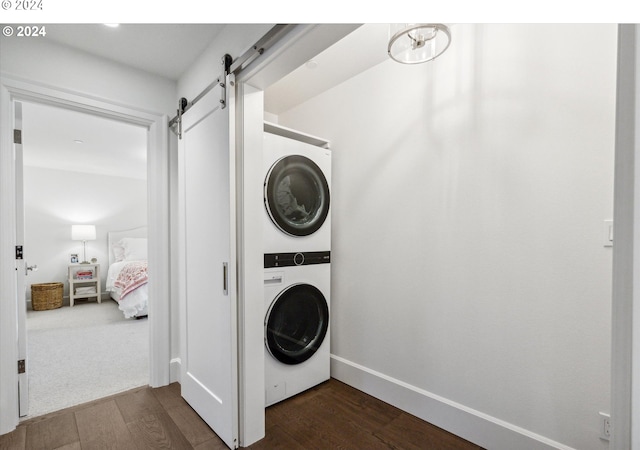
[(209, 367)]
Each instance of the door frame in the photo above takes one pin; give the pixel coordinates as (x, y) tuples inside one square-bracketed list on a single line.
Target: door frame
[(21, 276), (12, 90), (625, 317), (291, 51)]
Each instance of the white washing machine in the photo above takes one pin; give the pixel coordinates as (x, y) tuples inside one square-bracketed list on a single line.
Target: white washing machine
[(296, 324), (297, 191)]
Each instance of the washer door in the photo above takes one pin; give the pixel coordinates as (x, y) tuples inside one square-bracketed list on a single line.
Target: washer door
[(296, 195), (296, 323)]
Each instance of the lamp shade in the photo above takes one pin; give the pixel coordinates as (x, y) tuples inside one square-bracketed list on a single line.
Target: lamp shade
[(83, 232)]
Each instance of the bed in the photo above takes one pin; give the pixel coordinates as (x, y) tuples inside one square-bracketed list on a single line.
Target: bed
[(127, 274)]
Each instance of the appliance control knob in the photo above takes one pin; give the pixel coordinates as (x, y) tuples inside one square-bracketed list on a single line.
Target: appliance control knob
[(298, 259)]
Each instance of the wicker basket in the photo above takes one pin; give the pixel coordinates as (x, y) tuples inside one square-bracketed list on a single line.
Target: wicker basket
[(46, 296)]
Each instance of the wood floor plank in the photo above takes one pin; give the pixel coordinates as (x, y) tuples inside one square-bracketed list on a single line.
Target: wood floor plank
[(276, 438), (102, 427), (157, 431), (59, 431), (138, 404), (15, 440), (349, 427), (318, 424), (369, 412), (73, 446), (169, 396), (190, 424), (411, 433), (30, 420), (274, 413), (214, 443)]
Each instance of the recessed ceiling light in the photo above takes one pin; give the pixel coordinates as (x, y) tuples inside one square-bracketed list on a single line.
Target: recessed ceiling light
[(112, 25), (78, 141), (311, 64)]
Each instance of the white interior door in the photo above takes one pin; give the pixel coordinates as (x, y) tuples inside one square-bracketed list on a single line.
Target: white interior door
[(209, 368), (21, 269)]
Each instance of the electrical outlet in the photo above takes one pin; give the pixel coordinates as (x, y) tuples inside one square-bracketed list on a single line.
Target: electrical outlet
[(605, 426)]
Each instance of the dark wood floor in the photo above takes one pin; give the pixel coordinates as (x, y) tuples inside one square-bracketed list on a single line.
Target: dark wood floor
[(329, 416)]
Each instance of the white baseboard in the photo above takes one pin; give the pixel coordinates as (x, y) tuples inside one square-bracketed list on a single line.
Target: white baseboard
[(475, 426), (174, 370)]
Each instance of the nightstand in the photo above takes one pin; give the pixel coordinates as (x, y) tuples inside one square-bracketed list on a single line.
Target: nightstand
[(84, 282)]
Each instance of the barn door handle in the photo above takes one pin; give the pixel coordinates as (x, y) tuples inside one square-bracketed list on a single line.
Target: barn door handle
[(225, 278)]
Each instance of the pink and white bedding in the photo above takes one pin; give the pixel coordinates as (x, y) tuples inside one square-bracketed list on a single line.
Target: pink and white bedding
[(127, 275), (131, 277), (127, 283)]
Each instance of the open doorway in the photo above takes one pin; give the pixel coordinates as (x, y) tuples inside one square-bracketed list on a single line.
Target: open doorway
[(15, 91), (79, 168)]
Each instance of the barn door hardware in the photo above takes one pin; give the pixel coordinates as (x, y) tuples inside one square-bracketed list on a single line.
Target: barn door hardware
[(276, 33), (226, 64), (231, 66), (184, 105)]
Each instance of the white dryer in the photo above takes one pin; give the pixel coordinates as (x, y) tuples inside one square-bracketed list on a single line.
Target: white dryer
[(297, 191), (296, 324)]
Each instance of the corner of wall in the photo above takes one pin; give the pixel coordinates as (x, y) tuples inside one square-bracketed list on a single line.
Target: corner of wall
[(175, 370)]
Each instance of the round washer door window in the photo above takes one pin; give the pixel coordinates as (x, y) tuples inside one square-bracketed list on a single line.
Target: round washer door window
[(296, 324), (296, 195)]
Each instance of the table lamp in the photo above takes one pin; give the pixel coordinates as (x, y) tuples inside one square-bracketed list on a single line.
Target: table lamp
[(83, 233)]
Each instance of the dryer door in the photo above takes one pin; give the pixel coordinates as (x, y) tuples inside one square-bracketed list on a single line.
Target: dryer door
[(296, 195), (296, 323)]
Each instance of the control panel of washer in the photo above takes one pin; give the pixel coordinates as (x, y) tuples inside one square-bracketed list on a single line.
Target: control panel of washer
[(295, 259)]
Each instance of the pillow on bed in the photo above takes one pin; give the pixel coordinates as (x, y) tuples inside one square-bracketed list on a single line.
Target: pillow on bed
[(118, 251), (135, 249)]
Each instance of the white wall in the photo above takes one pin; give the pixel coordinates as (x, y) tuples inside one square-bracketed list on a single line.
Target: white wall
[(469, 196), (138, 94), (63, 67), (56, 199)]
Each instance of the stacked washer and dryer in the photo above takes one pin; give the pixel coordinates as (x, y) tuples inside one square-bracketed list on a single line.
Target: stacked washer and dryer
[(297, 256)]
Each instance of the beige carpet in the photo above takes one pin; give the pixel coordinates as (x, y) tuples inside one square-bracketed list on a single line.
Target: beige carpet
[(83, 353)]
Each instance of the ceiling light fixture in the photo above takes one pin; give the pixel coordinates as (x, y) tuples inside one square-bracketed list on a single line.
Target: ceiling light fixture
[(78, 141), (415, 43), (112, 25)]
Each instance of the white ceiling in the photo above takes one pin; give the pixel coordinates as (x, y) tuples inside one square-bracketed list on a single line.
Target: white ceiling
[(107, 147), (162, 49), (166, 50), (362, 49)]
